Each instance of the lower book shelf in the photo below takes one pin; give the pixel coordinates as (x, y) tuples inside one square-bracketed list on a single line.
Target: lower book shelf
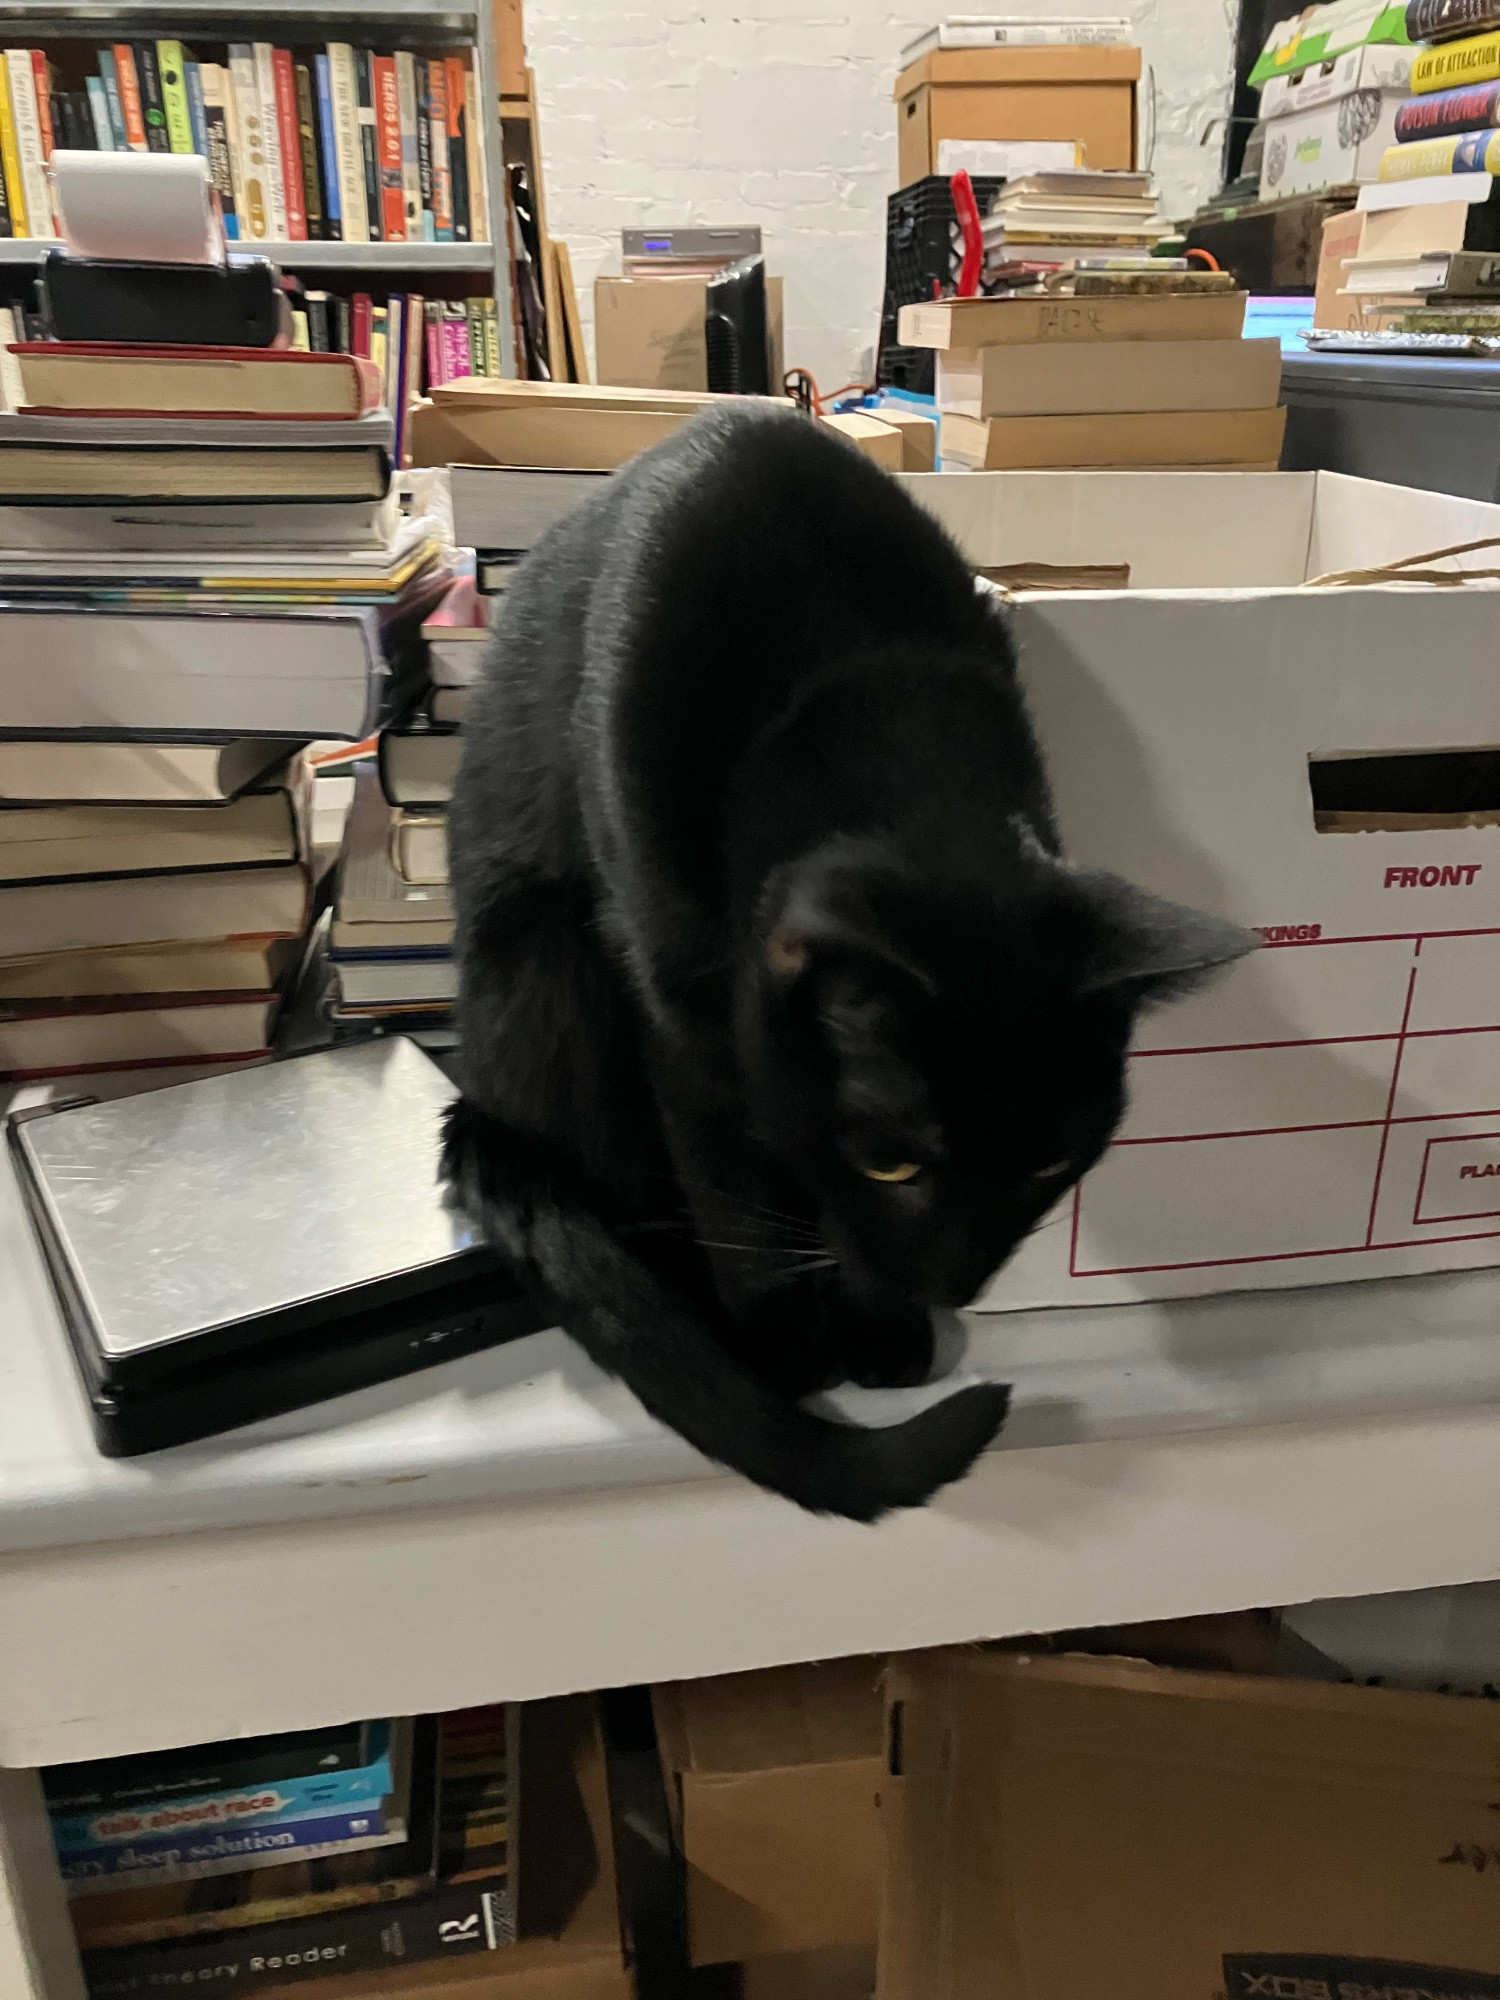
[(458, 1931)]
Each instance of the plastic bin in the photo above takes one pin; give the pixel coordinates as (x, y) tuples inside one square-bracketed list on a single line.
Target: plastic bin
[(1407, 419)]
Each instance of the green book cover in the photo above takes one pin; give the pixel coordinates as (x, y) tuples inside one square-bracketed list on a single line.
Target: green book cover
[(174, 99)]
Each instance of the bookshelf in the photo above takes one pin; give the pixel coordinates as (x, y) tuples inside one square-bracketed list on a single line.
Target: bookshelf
[(383, 24)]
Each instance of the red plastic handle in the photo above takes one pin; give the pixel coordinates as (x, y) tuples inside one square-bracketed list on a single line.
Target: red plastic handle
[(966, 208)]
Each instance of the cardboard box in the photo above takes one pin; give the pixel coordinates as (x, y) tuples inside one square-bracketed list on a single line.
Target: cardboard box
[(1329, 145), (771, 1781), (569, 1947), (1132, 437), (1055, 378), (879, 441), (845, 1973), (1082, 94), (1341, 240), (648, 332), (1271, 246), (1328, 1109), (1376, 66), (1064, 1827)]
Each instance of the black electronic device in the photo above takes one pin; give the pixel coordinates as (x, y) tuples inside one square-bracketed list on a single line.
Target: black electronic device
[(238, 304), (735, 330)]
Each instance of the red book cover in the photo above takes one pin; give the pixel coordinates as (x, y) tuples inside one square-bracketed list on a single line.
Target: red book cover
[(435, 355), (388, 149), (360, 310), (40, 70), (130, 97), (289, 132)]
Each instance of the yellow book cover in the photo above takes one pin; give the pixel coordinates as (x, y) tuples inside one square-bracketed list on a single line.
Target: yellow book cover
[(1425, 159), (1474, 61), (10, 160)]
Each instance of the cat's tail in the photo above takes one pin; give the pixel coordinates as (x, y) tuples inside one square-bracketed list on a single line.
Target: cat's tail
[(634, 1327)]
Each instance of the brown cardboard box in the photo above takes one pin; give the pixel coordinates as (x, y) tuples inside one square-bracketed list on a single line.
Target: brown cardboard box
[(648, 332), (1065, 1827), (1085, 94), (771, 1779), (847, 1972), (1341, 234), (878, 440), (569, 1947)]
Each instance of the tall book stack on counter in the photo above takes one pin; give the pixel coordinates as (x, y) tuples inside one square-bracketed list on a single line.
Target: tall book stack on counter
[(328, 144), (1120, 369), (203, 569), (389, 950), (281, 1859)]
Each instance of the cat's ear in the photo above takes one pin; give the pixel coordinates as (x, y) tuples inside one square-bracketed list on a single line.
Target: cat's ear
[(1147, 948)]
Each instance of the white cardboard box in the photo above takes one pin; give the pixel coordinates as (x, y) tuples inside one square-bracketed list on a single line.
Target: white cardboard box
[(1330, 144), (1330, 1109), (1376, 66)]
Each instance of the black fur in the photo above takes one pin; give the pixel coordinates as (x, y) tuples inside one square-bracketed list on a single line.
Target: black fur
[(759, 897)]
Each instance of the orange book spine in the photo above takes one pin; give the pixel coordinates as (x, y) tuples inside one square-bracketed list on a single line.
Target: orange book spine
[(388, 149), (130, 97), (288, 132), (41, 70)]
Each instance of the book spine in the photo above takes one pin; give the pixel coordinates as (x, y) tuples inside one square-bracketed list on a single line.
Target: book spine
[(456, 342), (474, 313), (454, 1920), (153, 111), (388, 136), (437, 139), (411, 372), (377, 347), (361, 323), (29, 141), (433, 336), (41, 83), (411, 177), (10, 159), (1471, 153), (130, 97), (255, 209), (212, 80), (192, 77), (1442, 114), (458, 146), (346, 135), (7, 221), (306, 141), (289, 145), (1472, 61), (109, 77), (479, 191), (228, 101), (301, 338), (491, 339), (424, 153), (270, 139), (395, 349), (1442, 20), (328, 151), (80, 121), (174, 98), (171, 1857), (343, 326), (318, 337), (369, 149)]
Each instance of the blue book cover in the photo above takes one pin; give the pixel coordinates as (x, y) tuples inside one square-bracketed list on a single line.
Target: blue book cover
[(193, 80), (333, 210), (224, 1851), (282, 1802), (110, 77)]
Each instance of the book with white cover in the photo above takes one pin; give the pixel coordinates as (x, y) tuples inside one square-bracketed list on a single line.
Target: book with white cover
[(1017, 31)]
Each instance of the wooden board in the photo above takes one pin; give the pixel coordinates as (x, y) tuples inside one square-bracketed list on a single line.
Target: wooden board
[(578, 360)]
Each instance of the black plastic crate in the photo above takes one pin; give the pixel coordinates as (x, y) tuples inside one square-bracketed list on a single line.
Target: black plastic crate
[(923, 252)]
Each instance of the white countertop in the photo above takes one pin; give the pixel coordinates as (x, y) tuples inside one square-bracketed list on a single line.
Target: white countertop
[(535, 1418)]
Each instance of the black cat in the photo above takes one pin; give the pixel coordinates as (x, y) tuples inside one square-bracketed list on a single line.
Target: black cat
[(782, 1019)]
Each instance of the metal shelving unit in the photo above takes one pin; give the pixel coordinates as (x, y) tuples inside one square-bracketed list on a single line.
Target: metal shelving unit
[(394, 22)]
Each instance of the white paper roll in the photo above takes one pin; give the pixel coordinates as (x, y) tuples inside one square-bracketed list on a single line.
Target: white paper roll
[(152, 208)]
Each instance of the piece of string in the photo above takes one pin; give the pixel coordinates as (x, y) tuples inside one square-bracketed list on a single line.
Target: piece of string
[(1410, 568)]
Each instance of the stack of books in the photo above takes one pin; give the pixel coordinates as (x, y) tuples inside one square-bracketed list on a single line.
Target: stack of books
[(1041, 223), (202, 570), (1101, 379), (229, 1863), (327, 145)]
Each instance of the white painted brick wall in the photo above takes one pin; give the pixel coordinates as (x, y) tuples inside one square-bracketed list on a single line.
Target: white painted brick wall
[(779, 112)]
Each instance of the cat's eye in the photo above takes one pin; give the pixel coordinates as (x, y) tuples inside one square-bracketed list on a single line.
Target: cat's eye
[(1057, 1168), (908, 1170)]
